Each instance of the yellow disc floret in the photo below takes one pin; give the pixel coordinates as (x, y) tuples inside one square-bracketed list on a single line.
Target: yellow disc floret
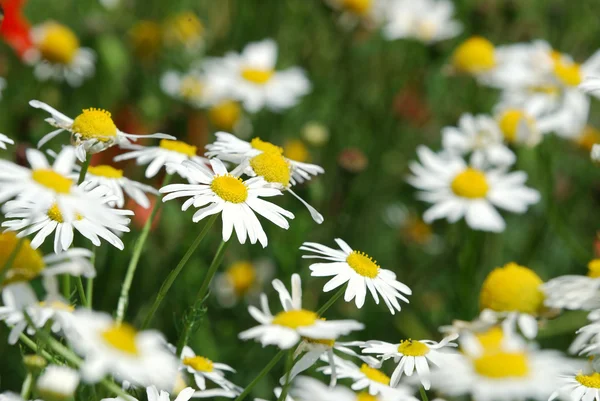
[(296, 150), (375, 374), (498, 365), (199, 363), (295, 318), (96, 124), (512, 288), (52, 180), (358, 7), (225, 115), (229, 188), (58, 43), (363, 264), (273, 167), (413, 348), (57, 305), (510, 120), (470, 183), (265, 146), (491, 340), (257, 76), (191, 87), (565, 70), (184, 28), (122, 337), (364, 396), (241, 275), (474, 55), (179, 147), (28, 262), (105, 171), (594, 268), (591, 381)]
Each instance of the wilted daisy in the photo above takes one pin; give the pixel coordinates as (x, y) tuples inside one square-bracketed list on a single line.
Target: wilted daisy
[(287, 328), (58, 55), (4, 140), (360, 271), (457, 190), (310, 389), (57, 383), (251, 77), (219, 191), (242, 279), (92, 131), (115, 348), (411, 355), (574, 292)]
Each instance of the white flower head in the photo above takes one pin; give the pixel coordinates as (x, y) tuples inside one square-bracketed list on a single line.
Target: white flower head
[(367, 13), (308, 388), (192, 87), (595, 153), (5, 140), (574, 292), (58, 383), (578, 387), (241, 280)]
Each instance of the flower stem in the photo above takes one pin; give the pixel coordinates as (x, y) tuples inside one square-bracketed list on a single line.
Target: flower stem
[(262, 374), (84, 168), (332, 300), (89, 285), (166, 285), (11, 259), (190, 319), (135, 257), (288, 369), (81, 291), (423, 394), (26, 387)]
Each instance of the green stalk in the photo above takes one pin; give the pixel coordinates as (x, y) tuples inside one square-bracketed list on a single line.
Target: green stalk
[(288, 369), (259, 377), (89, 285), (81, 291), (26, 387), (423, 394), (166, 285), (11, 259), (332, 300), (84, 169)]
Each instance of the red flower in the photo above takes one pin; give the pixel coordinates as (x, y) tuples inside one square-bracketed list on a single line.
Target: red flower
[(14, 27)]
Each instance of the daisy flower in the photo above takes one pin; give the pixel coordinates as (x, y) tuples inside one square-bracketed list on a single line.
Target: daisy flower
[(595, 153), (411, 354), (203, 370), (308, 388), (587, 341), (242, 280), (219, 191), (481, 137), (368, 13), (57, 383), (578, 387), (92, 131), (574, 292), (58, 55), (287, 328), (112, 348), (251, 77), (520, 126), (4, 140), (168, 153), (10, 396), (457, 190), (360, 272), (192, 88)]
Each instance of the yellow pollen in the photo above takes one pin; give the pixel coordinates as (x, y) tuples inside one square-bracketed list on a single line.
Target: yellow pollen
[(295, 318), (122, 337), (491, 340), (374, 374), (225, 115), (229, 188), (191, 87), (58, 306), (106, 171), (54, 214), (199, 363), (591, 381), (499, 365), (179, 147), (413, 348), (567, 72), (594, 268), (59, 44), (28, 263), (96, 124), (509, 122), (474, 55), (265, 146), (328, 343), (364, 396), (257, 76), (470, 183), (363, 264), (52, 180), (296, 150), (241, 275), (272, 167), (512, 288), (359, 7)]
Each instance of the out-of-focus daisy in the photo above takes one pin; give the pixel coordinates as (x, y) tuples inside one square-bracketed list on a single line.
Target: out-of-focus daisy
[(169, 154), (587, 341), (410, 355), (153, 394), (457, 190), (581, 386), (219, 191), (109, 347), (251, 77), (595, 153), (191, 87), (429, 21), (57, 383), (286, 328), (227, 115), (368, 13), (184, 29), (574, 292), (307, 388), (242, 279), (360, 271), (92, 131), (481, 137), (146, 40), (474, 56), (58, 55), (520, 126), (4, 140), (587, 138)]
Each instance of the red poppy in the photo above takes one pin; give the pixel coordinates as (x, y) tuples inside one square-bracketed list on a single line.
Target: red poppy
[(14, 27)]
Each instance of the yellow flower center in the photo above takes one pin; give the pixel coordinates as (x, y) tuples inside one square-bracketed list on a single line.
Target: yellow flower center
[(122, 337), (106, 171), (265, 146), (257, 76), (500, 365), (179, 147), (491, 340), (58, 305), (199, 363), (594, 268), (417, 231), (28, 263), (374, 374), (229, 188), (225, 115), (295, 318), (59, 44), (191, 87), (241, 275), (296, 150), (183, 28), (96, 124), (413, 348), (359, 7), (364, 396), (567, 72), (52, 180), (509, 122), (146, 39), (470, 183), (592, 381), (272, 167), (328, 343), (363, 264), (474, 55), (588, 138), (54, 214), (512, 288)]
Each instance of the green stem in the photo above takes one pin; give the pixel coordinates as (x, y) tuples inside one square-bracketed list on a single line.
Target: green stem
[(332, 300), (33, 346), (423, 394), (89, 285), (66, 286), (11, 259), (262, 374), (214, 266), (26, 387), (288, 369), (84, 169), (135, 258), (81, 291), (166, 285)]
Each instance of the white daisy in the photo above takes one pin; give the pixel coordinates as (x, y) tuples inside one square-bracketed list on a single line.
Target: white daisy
[(9, 396), (251, 77), (92, 131), (57, 54), (286, 328), (574, 292), (587, 341), (168, 153), (109, 347), (368, 13), (57, 383), (457, 191), (242, 280), (481, 137), (411, 354), (360, 272), (4, 140), (153, 394), (192, 87), (219, 191), (595, 153), (310, 389), (578, 387)]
